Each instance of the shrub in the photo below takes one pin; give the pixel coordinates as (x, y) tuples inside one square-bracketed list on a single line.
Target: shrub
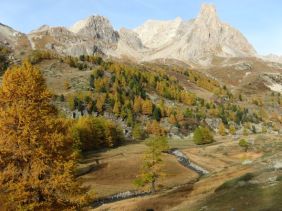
[(202, 135), (37, 56), (244, 144)]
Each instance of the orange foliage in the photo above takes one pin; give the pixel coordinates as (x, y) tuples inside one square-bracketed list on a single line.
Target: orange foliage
[(36, 157)]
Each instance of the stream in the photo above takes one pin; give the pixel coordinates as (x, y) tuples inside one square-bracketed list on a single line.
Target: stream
[(181, 158), (186, 162)]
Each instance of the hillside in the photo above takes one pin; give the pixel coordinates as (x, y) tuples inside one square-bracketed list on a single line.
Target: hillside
[(177, 98), (172, 115)]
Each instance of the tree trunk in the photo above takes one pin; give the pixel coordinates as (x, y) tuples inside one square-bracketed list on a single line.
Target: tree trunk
[(153, 188)]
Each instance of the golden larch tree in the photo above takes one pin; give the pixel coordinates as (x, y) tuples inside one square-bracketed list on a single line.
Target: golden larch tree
[(152, 168), (137, 105), (147, 107), (36, 157)]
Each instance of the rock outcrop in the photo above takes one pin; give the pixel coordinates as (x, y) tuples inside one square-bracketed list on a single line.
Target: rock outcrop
[(195, 40), (9, 36)]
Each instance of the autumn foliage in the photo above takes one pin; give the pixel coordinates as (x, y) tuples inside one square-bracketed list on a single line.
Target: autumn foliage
[(36, 158), (96, 132)]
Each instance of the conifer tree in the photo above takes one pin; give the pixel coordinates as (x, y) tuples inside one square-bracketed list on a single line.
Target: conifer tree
[(138, 132), (232, 129), (101, 102), (147, 107), (137, 105), (36, 157), (157, 114), (116, 108), (152, 166), (221, 129)]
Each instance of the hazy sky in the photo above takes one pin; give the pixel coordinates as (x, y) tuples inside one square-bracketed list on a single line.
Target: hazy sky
[(259, 20)]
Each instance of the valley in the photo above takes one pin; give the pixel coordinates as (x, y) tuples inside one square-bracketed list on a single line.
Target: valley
[(171, 115), (225, 161)]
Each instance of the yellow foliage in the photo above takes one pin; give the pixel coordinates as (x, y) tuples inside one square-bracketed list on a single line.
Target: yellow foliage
[(101, 102), (221, 129), (232, 129), (147, 107), (154, 128), (36, 159), (172, 119), (137, 105)]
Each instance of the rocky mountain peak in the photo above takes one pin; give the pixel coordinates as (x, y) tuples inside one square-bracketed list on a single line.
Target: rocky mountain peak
[(96, 27), (208, 15), (41, 29), (195, 41), (90, 22), (8, 35)]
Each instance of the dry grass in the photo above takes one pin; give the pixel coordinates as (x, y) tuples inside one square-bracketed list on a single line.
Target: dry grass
[(223, 159), (57, 73), (118, 168)]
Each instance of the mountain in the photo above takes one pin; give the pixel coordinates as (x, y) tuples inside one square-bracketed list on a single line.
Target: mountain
[(204, 41), (199, 39), (273, 58), (94, 34), (97, 27), (8, 35), (193, 41)]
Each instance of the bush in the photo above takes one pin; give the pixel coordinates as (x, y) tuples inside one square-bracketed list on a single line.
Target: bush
[(37, 56), (244, 144), (202, 135)]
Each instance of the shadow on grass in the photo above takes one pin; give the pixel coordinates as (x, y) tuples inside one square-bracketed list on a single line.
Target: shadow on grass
[(251, 197), (88, 169)]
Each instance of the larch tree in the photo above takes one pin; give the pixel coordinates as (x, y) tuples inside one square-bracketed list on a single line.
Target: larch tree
[(137, 105), (116, 108), (147, 107), (232, 129), (221, 129), (101, 102), (153, 163), (36, 158)]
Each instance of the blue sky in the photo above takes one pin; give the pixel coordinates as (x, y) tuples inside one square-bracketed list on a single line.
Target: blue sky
[(259, 20)]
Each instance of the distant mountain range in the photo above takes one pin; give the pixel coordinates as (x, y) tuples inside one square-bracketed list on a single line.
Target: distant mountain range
[(197, 41)]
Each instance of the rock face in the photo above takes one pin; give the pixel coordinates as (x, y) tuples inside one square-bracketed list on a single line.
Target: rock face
[(89, 36), (8, 36), (194, 41), (96, 27), (155, 34), (273, 81)]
